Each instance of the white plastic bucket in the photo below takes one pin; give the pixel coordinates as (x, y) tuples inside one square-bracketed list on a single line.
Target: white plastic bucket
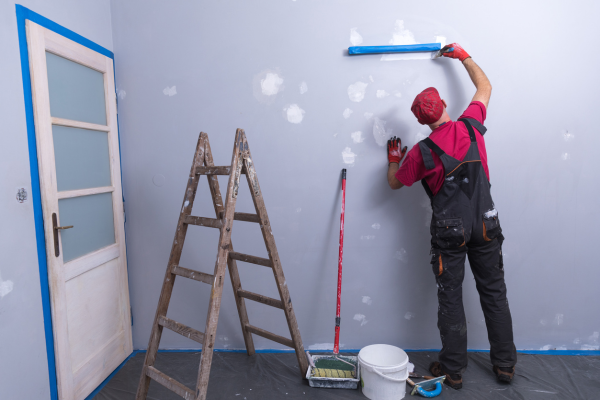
[(383, 370)]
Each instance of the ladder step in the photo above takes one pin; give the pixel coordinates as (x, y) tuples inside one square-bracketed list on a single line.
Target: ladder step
[(191, 274), (201, 221), (247, 217), (170, 383), (226, 170), (260, 298), (271, 336), (250, 259), (182, 329)]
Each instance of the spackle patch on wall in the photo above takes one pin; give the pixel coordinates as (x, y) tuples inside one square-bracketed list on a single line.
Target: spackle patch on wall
[(402, 255), (381, 94), (409, 315), (303, 88), (376, 226), (347, 112), (356, 91), (592, 342), (361, 318), (368, 115), (367, 300), (170, 91), (121, 94), (565, 156), (271, 84), (568, 136), (348, 156), (355, 37), (5, 287), (357, 137), (381, 134), (294, 113), (267, 84), (559, 319)]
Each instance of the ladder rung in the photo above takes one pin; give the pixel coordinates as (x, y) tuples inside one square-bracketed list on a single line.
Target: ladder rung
[(170, 383), (271, 336), (226, 170), (250, 259), (182, 329), (201, 221), (191, 274), (247, 217), (260, 298)]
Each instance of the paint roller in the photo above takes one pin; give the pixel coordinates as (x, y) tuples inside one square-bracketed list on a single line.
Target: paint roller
[(405, 48)]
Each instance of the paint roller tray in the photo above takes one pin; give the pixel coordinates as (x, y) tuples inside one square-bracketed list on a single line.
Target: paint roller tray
[(333, 383)]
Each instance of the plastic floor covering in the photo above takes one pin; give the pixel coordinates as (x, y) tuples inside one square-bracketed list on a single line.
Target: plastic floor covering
[(275, 376)]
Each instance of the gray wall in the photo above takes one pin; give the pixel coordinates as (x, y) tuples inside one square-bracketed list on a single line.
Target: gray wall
[(23, 365), (183, 67)]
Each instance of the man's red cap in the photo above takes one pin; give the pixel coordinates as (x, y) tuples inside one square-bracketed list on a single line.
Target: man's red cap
[(428, 107)]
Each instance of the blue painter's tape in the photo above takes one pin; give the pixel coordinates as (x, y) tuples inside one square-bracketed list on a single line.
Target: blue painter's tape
[(24, 14), (61, 30), (409, 48), (36, 199), (267, 351)]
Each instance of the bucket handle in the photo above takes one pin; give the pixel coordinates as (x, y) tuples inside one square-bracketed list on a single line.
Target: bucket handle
[(370, 369)]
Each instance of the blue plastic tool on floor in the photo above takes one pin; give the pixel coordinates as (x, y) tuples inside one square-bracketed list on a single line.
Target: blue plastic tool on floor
[(429, 388), (407, 48)]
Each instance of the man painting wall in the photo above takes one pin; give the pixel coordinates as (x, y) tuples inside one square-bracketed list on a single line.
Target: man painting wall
[(452, 166)]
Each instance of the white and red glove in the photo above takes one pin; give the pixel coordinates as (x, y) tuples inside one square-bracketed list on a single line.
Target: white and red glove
[(457, 52), (395, 154)]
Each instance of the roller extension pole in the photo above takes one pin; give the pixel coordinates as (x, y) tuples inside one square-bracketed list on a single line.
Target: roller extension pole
[(336, 345)]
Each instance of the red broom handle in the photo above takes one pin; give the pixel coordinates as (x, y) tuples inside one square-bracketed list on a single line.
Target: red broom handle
[(336, 345)]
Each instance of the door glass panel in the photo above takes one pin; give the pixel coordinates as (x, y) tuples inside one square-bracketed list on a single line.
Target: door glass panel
[(81, 157), (93, 224), (76, 91)]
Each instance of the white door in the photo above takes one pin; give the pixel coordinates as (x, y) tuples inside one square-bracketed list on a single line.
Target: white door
[(78, 155)]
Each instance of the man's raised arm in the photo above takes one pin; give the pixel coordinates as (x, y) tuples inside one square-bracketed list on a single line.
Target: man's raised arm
[(481, 82)]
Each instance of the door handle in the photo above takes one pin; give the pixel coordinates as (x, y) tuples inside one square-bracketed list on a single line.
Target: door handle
[(55, 230)]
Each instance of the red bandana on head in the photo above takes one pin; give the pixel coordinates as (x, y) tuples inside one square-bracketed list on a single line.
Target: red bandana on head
[(428, 107)]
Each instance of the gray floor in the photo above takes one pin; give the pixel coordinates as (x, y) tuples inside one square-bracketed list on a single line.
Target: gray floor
[(276, 376)]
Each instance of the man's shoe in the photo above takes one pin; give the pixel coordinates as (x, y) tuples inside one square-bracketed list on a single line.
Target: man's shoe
[(452, 380), (504, 374)]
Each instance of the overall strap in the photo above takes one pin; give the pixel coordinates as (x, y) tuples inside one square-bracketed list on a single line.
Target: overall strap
[(473, 122), (425, 145), (470, 129)]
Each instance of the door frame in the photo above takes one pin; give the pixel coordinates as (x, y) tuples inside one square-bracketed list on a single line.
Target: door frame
[(24, 14)]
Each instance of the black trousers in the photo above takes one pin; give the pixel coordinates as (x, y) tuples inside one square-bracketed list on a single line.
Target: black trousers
[(487, 265)]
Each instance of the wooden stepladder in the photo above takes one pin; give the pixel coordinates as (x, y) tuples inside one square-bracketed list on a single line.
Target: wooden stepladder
[(241, 164)]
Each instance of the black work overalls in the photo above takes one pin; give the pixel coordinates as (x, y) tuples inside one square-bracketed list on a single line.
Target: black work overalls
[(465, 223)]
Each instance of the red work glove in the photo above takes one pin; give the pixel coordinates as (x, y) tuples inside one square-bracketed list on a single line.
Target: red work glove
[(394, 153), (458, 52)]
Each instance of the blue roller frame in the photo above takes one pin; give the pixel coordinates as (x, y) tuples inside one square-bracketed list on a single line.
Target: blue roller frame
[(407, 48), (24, 14)]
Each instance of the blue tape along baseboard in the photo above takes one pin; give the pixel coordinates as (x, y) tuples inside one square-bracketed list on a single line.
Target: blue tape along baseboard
[(408, 48)]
